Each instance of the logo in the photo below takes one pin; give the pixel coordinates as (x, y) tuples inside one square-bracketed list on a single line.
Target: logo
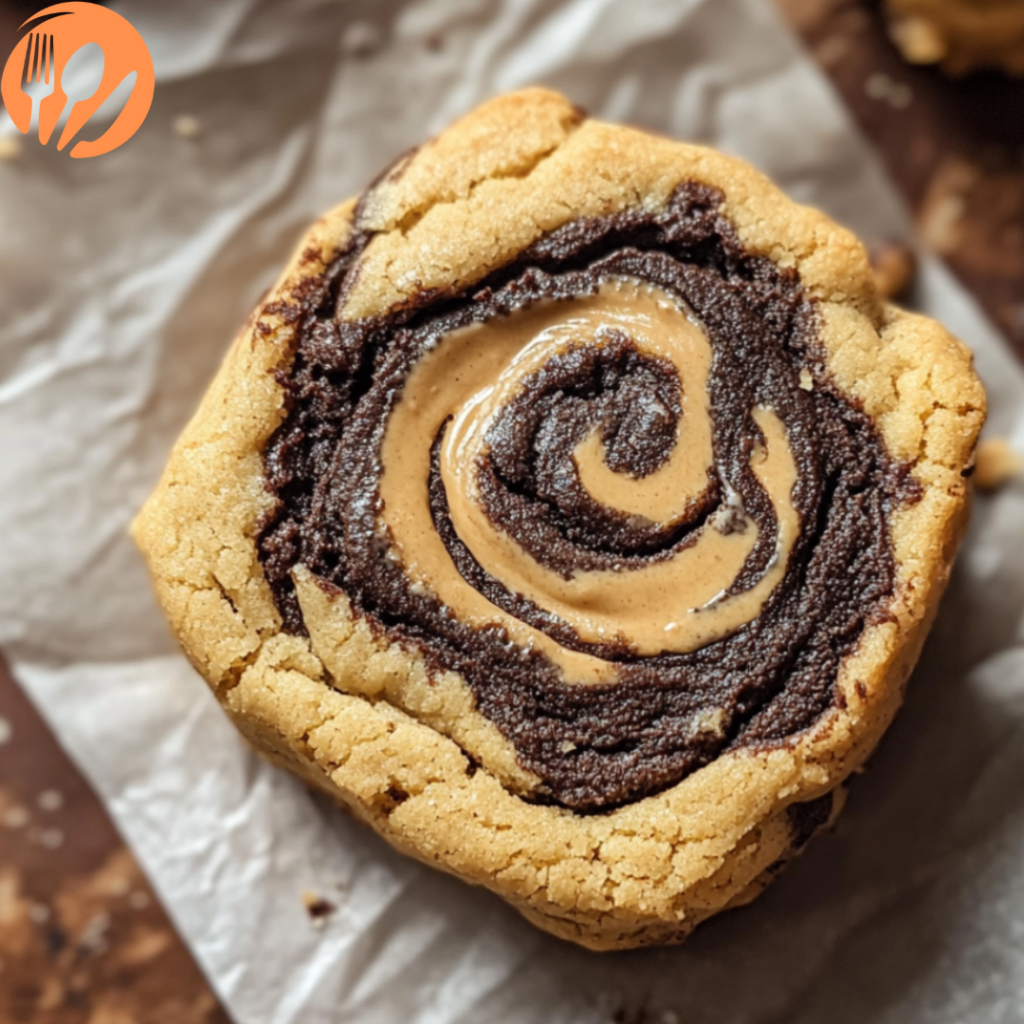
[(33, 83)]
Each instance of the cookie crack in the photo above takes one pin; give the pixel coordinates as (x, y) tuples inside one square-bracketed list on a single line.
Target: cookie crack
[(519, 172)]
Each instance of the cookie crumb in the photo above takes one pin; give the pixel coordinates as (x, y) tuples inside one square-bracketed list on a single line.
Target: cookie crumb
[(880, 86), (187, 127), (919, 40), (941, 222), (119, 886), (806, 379), (138, 900), (894, 266), (10, 147), (877, 86), (16, 817), (94, 935), (39, 913), (51, 838), (318, 908), (50, 800), (567, 747), (996, 464), (710, 720)]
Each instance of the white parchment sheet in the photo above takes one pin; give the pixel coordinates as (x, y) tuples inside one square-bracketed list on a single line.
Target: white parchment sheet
[(122, 280)]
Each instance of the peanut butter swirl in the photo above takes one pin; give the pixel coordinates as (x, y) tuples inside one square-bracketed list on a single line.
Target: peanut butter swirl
[(676, 603), (612, 486)]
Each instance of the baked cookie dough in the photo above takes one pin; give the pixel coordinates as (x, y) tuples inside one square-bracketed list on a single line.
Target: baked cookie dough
[(573, 511), (960, 34)]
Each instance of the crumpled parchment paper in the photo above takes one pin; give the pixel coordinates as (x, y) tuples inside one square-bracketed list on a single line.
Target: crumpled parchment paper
[(123, 278)]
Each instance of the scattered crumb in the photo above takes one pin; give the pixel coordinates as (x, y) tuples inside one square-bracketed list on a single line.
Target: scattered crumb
[(567, 747), (138, 900), (10, 147), (39, 913), (894, 266), (877, 86), (919, 40), (941, 222), (187, 126), (51, 838), (710, 720), (16, 817), (880, 86), (94, 935), (50, 800), (318, 908), (118, 886), (996, 463), (6, 731), (806, 379)]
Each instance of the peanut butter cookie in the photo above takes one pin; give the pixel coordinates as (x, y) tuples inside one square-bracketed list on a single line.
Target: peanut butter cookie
[(573, 511)]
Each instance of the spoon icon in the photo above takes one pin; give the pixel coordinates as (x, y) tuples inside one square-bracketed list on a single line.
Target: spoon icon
[(80, 79)]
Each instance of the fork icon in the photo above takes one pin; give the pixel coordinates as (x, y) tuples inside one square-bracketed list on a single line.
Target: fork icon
[(38, 82)]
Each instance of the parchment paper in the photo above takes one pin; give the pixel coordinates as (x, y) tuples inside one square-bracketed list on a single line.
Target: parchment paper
[(122, 280)]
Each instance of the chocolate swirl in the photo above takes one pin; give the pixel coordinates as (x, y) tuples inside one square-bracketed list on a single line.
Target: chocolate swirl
[(612, 486)]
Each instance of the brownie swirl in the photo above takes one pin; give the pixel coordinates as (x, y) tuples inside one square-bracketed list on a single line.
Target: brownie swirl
[(645, 528)]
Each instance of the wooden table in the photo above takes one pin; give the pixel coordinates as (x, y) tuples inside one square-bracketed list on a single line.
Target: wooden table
[(83, 940), (82, 937), (954, 148)]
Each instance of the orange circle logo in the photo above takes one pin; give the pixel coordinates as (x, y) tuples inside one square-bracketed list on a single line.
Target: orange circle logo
[(33, 84)]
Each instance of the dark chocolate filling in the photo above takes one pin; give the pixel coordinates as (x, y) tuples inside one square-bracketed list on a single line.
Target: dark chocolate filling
[(597, 746)]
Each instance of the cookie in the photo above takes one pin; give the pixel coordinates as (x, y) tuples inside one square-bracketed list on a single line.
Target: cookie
[(960, 34), (573, 511)]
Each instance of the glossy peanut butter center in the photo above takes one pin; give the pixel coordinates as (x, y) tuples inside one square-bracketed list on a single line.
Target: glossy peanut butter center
[(676, 603)]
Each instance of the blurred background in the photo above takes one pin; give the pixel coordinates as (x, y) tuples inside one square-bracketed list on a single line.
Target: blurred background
[(83, 937)]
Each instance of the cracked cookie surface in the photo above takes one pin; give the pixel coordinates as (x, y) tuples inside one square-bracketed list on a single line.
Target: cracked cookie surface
[(349, 680)]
